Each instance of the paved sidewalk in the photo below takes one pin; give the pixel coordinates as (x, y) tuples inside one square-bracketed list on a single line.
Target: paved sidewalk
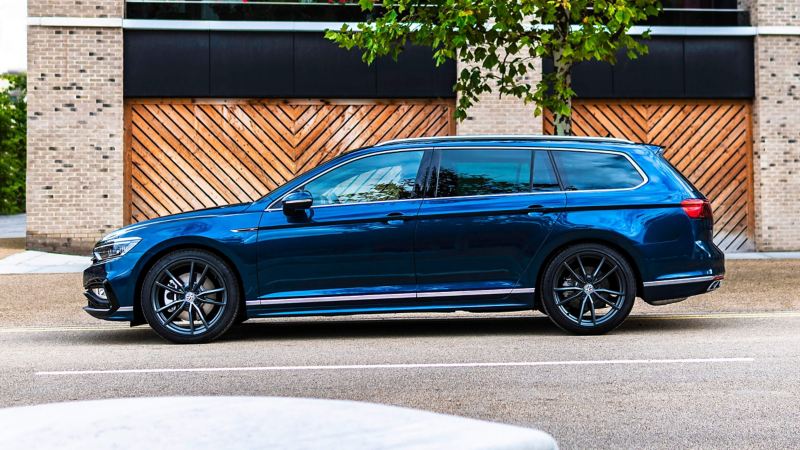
[(12, 226), (763, 255), (41, 262)]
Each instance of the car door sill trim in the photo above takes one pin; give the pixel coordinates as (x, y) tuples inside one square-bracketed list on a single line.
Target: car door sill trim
[(680, 281), (343, 298), (474, 292)]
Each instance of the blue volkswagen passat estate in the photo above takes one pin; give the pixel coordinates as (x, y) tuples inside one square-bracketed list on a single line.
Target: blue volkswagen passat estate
[(576, 228)]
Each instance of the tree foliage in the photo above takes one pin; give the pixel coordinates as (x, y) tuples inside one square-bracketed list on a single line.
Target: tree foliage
[(499, 42), (13, 122)]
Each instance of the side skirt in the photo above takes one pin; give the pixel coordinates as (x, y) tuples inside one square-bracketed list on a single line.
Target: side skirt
[(513, 302)]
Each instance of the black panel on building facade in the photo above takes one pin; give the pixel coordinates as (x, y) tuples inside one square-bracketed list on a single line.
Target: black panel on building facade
[(244, 67), (272, 65), (719, 67), (589, 79), (166, 63), (663, 66), (404, 79), (675, 67), (322, 69)]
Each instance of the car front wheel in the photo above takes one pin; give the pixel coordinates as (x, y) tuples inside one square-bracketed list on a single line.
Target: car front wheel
[(588, 289), (190, 296)]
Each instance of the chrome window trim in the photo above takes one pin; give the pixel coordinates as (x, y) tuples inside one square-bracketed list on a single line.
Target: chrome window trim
[(645, 178), (680, 281), (342, 298)]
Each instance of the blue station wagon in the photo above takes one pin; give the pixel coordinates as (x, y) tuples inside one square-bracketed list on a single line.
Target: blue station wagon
[(575, 228)]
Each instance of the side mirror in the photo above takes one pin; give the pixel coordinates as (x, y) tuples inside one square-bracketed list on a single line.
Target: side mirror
[(296, 202)]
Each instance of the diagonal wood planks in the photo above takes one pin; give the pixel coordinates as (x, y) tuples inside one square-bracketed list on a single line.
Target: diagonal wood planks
[(188, 154), (709, 141)]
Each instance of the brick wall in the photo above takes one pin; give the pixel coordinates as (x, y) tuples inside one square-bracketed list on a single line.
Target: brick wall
[(776, 135), (75, 128), (776, 127), (774, 12), (506, 115), (75, 8)]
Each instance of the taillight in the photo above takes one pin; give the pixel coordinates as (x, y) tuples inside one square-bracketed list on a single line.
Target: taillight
[(697, 208)]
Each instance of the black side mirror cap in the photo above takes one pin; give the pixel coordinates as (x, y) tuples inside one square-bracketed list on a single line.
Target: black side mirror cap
[(297, 201)]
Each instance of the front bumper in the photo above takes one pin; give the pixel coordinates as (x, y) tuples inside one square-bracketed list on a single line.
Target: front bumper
[(661, 292), (105, 304)]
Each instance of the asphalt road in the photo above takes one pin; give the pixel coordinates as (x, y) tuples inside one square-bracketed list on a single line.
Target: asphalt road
[(725, 380), (681, 379)]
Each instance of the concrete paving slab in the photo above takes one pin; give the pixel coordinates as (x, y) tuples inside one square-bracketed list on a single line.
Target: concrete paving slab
[(253, 422), (763, 255), (12, 226), (42, 262)]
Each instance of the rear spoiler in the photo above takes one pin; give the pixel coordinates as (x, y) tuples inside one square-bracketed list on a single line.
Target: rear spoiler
[(657, 149)]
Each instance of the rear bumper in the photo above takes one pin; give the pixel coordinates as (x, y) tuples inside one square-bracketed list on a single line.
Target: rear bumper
[(661, 291)]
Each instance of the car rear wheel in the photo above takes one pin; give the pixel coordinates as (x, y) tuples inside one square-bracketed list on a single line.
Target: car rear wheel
[(588, 289), (190, 297)]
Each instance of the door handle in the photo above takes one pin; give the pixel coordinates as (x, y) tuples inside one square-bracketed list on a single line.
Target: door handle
[(395, 218), (534, 209)]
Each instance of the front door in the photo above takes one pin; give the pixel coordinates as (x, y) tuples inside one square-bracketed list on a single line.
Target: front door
[(489, 213), (356, 241)]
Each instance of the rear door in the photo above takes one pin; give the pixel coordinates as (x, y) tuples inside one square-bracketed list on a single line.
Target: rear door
[(487, 213)]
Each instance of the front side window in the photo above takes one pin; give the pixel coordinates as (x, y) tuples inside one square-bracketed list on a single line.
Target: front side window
[(593, 171), (483, 172), (385, 177)]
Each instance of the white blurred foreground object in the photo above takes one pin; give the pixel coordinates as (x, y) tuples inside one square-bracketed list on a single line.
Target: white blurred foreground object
[(251, 422)]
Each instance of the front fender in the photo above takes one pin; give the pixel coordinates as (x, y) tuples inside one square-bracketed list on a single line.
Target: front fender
[(230, 236)]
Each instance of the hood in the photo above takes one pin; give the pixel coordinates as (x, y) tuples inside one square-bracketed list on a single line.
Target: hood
[(207, 212)]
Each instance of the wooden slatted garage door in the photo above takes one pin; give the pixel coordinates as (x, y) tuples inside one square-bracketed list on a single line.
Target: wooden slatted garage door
[(709, 141), (189, 154)]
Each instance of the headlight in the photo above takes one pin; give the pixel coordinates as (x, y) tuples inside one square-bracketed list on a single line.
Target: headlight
[(108, 250)]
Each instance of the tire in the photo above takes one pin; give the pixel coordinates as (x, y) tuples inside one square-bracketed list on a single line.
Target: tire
[(574, 287), (190, 313)]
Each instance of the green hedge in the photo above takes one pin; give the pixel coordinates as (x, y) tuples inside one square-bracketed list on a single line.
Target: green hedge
[(13, 124)]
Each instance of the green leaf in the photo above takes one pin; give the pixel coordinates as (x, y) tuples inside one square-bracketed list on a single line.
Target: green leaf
[(499, 56)]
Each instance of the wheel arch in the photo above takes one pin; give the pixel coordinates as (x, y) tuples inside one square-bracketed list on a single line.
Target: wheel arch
[(168, 247), (554, 250)]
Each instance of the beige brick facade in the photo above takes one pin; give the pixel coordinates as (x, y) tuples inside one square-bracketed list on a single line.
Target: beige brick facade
[(76, 8), (776, 127), (506, 115), (75, 128)]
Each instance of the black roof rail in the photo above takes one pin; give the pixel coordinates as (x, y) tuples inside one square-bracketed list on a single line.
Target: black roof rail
[(532, 137)]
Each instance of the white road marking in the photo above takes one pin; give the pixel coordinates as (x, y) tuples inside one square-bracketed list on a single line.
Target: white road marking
[(410, 317), (399, 366)]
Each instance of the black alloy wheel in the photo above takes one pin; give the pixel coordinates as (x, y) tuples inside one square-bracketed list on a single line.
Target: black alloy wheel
[(588, 289), (190, 296)]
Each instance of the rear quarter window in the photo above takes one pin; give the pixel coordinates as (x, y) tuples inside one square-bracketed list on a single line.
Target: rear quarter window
[(595, 171)]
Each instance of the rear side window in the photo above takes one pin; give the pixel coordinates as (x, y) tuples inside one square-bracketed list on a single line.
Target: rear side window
[(483, 172), (591, 171)]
